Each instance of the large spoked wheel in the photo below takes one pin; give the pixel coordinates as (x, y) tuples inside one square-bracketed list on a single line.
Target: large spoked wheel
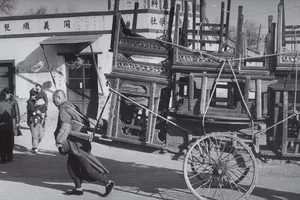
[(220, 166)]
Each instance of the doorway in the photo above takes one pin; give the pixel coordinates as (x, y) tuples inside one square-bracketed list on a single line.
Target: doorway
[(82, 85), (7, 75)]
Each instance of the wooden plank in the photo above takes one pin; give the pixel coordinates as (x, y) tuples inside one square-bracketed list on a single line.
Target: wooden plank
[(275, 120), (285, 123), (265, 104), (176, 90), (258, 99), (292, 26), (246, 91), (112, 116), (206, 32), (213, 25), (292, 42), (150, 115), (204, 41), (156, 106), (191, 91), (203, 95), (297, 143)]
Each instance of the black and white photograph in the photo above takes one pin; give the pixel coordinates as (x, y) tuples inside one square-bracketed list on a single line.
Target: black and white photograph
[(150, 99)]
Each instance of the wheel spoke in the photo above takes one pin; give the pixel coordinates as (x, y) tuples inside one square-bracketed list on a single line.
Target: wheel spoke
[(237, 185), (216, 164)]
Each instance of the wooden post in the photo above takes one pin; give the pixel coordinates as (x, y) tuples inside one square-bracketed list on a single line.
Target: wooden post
[(246, 91), (184, 33), (258, 99), (258, 38), (276, 119), (227, 23), (285, 123), (116, 41), (265, 104), (203, 94), (267, 51), (191, 91), (221, 27), (176, 90), (176, 34), (114, 24), (279, 31), (135, 15), (194, 22), (239, 34), (202, 19), (151, 107), (273, 60), (112, 115), (171, 18), (283, 23), (270, 21)]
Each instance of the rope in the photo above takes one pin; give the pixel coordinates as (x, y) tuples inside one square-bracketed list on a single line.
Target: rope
[(241, 94), (211, 96), (262, 131)]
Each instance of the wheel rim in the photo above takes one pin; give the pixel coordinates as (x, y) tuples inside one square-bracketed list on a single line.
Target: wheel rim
[(220, 166)]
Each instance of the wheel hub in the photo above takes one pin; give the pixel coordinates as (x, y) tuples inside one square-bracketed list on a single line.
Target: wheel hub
[(220, 170)]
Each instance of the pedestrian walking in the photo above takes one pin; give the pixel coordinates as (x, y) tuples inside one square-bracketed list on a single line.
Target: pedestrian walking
[(81, 163), (6, 133), (36, 126), (15, 110)]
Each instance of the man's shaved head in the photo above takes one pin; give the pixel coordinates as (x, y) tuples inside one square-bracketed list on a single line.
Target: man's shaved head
[(60, 94), (59, 97)]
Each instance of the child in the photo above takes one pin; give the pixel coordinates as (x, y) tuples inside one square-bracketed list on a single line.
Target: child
[(39, 112)]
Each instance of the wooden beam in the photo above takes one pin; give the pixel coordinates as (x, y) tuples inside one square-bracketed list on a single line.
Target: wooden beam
[(285, 123), (135, 17), (171, 18), (191, 91), (239, 34), (203, 95), (194, 21), (227, 23), (258, 99), (221, 27), (202, 19)]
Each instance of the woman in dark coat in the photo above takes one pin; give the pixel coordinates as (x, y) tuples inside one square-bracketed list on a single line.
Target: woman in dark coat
[(6, 127)]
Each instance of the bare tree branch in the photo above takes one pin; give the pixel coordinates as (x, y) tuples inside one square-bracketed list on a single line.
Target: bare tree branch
[(42, 10), (7, 6)]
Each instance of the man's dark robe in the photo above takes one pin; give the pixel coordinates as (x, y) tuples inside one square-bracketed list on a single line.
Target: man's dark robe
[(75, 147)]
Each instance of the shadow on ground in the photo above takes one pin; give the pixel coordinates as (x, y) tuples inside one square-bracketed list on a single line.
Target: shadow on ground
[(274, 194), (48, 169)]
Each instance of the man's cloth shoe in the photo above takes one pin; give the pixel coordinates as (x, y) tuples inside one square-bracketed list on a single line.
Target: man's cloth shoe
[(74, 192), (109, 188)]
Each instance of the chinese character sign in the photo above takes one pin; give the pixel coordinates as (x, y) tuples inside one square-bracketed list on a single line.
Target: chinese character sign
[(26, 26)]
